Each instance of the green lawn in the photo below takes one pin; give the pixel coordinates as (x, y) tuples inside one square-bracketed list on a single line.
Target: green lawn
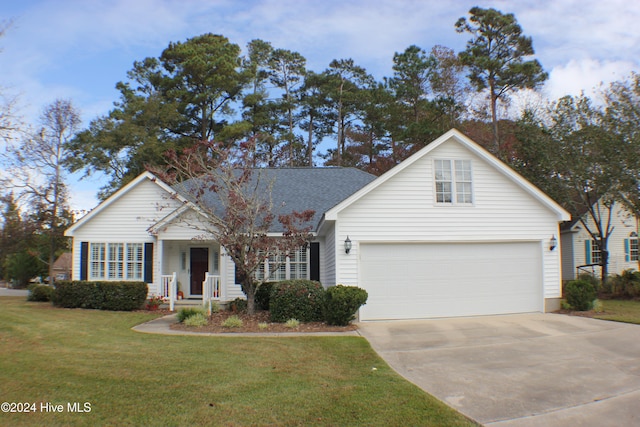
[(620, 311), (65, 356)]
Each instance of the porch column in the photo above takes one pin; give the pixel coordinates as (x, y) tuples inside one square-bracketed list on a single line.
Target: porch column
[(222, 272), (160, 255)]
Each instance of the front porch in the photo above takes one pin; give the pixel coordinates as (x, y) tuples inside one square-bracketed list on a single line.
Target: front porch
[(193, 272), (210, 292)]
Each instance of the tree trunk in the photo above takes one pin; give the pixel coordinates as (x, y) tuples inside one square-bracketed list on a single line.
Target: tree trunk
[(494, 117), (251, 302), (310, 142), (604, 264)]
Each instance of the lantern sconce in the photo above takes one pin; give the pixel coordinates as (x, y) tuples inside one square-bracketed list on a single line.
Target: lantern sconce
[(553, 243), (347, 245)]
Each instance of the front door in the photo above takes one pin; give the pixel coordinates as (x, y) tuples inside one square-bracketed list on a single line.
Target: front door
[(199, 266)]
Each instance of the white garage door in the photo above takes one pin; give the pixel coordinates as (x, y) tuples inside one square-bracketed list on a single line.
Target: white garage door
[(412, 281)]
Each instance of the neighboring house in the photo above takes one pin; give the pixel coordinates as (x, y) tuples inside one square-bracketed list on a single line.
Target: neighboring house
[(581, 253), (451, 231), (62, 267)]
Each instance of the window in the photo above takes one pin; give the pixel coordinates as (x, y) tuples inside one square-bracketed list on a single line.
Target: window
[(596, 253), (631, 247), (116, 261), (298, 265), (281, 267), (97, 260), (135, 261), (453, 181)]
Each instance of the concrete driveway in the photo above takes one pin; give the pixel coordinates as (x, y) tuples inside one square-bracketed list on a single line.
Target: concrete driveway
[(520, 370)]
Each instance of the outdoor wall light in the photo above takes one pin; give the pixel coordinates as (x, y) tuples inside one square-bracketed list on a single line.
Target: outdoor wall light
[(553, 243), (347, 245)]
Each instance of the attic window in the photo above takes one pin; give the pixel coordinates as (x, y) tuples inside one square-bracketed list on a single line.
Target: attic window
[(453, 181)]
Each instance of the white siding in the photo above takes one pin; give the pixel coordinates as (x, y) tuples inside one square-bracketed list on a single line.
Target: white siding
[(328, 275), (404, 209), (187, 226), (323, 262), (227, 272), (124, 220)]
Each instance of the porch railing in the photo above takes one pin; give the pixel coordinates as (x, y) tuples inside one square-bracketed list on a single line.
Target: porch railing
[(169, 288), (210, 290)]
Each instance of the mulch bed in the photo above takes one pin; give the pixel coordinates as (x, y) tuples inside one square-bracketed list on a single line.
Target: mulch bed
[(250, 324)]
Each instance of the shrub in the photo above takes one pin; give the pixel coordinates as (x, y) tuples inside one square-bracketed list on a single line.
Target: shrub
[(197, 320), (120, 296), (297, 299), (580, 294), (623, 286), (232, 322), (238, 305), (292, 323), (215, 307), (20, 267), (263, 325), (185, 313), (342, 302), (263, 295), (40, 293), (598, 307)]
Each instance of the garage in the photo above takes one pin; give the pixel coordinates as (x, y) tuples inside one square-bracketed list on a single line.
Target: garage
[(417, 280)]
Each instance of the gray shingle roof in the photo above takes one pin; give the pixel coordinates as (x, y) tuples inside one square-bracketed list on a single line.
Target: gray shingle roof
[(318, 189)]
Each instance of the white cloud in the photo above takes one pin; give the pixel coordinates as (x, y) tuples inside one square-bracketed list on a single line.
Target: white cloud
[(585, 75)]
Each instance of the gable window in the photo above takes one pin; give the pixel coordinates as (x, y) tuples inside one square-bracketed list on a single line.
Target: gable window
[(116, 261), (453, 181)]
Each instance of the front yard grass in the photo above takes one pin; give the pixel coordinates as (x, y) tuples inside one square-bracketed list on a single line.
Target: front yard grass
[(62, 357), (620, 311)]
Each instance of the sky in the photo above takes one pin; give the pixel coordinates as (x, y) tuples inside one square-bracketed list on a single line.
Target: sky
[(80, 49)]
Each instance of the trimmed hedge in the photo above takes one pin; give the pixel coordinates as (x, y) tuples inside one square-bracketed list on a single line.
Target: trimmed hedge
[(342, 302), (580, 294), (263, 295), (116, 296), (40, 293), (297, 299)]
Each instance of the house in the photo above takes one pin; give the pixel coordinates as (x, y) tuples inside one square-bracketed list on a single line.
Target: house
[(451, 231), (62, 267), (581, 253)]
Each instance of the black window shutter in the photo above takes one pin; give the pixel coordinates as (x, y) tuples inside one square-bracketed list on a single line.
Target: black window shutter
[(148, 262), (84, 260), (314, 262)]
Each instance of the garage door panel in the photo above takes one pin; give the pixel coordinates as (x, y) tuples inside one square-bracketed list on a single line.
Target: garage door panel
[(445, 280)]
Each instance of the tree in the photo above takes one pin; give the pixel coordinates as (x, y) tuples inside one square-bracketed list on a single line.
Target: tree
[(233, 199), (286, 71), (495, 57), (343, 86), (578, 162), (38, 171), (16, 233), (411, 86), (167, 102), (10, 123), (622, 118), (369, 140), (314, 114), (449, 86)]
